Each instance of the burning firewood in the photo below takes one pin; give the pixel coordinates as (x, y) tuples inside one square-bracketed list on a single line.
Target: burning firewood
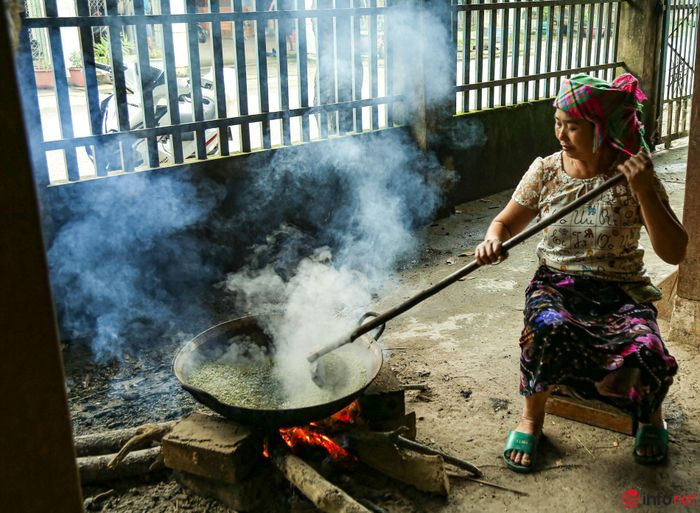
[(324, 495)]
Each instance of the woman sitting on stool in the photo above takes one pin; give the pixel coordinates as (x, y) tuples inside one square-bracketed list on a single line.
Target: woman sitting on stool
[(589, 319)]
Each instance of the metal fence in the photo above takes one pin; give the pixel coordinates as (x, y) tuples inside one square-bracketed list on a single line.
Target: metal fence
[(678, 69), (511, 52), (194, 79)]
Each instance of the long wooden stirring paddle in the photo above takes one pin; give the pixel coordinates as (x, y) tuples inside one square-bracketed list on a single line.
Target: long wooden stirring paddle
[(455, 276)]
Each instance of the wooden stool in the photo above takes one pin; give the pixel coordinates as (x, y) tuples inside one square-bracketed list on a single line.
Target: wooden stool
[(594, 413)]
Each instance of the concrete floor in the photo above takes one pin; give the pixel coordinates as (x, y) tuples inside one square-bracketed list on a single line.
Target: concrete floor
[(463, 344)]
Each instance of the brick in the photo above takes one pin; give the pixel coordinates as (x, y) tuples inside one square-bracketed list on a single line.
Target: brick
[(384, 399), (212, 447), (246, 495)]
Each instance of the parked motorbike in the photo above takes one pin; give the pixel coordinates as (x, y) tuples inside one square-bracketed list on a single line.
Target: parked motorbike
[(138, 149)]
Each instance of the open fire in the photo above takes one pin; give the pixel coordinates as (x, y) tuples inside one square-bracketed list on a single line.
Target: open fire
[(219, 457), (314, 434), (309, 436)]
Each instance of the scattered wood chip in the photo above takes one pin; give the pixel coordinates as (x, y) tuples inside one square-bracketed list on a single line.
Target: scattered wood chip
[(564, 466), (583, 445)]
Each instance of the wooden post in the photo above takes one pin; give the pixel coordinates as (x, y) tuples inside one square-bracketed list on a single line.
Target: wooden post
[(686, 311), (38, 471)]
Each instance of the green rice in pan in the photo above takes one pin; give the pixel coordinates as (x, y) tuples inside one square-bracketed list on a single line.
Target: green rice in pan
[(254, 384)]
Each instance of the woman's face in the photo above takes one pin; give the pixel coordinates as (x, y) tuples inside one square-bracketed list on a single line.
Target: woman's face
[(574, 134)]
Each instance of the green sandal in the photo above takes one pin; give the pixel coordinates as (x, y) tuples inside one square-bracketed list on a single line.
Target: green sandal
[(521, 442), (650, 436)]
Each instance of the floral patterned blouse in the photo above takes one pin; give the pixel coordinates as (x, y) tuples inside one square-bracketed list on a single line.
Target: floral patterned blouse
[(600, 239)]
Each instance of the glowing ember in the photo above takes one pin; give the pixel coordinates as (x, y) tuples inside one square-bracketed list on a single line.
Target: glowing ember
[(307, 436), (350, 414)]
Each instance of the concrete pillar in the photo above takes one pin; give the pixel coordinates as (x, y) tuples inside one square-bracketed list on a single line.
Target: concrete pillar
[(37, 464), (686, 312), (639, 46), (423, 69)]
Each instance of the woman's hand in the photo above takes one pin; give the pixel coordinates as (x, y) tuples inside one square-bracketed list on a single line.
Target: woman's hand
[(490, 252), (509, 222), (668, 237), (639, 171)]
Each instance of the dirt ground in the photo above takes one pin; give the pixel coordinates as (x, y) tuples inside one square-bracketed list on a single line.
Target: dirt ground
[(463, 344)]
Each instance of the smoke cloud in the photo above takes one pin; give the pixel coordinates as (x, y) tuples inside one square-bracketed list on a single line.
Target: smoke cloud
[(369, 195), (347, 212), (125, 258), (423, 54)]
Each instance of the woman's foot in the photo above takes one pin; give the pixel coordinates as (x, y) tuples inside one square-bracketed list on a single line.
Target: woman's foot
[(651, 450), (531, 424)]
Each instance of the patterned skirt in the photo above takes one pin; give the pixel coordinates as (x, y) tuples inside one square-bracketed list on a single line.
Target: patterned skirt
[(589, 335)]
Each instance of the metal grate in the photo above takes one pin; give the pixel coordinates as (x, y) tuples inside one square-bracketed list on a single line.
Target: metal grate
[(237, 76), (678, 69), (516, 51)]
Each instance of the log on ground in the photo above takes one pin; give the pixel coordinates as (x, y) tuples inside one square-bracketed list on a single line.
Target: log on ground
[(108, 442), (95, 469)]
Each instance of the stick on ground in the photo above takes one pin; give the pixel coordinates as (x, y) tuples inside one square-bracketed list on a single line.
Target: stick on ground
[(147, 434)]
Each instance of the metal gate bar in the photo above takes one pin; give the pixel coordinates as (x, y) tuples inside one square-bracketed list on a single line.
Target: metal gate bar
[(677, 70), (568, 36), (119, 29)]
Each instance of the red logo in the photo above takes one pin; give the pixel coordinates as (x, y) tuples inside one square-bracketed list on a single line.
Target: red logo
[(630, 498)]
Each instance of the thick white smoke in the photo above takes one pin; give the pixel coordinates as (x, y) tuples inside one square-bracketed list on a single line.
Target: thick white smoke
[(384, 189)]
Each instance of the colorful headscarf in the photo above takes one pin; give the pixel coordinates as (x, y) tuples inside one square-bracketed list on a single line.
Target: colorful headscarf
[(614, 109)]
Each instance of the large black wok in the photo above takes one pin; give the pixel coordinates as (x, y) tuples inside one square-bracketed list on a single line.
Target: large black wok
[(215, 341)]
